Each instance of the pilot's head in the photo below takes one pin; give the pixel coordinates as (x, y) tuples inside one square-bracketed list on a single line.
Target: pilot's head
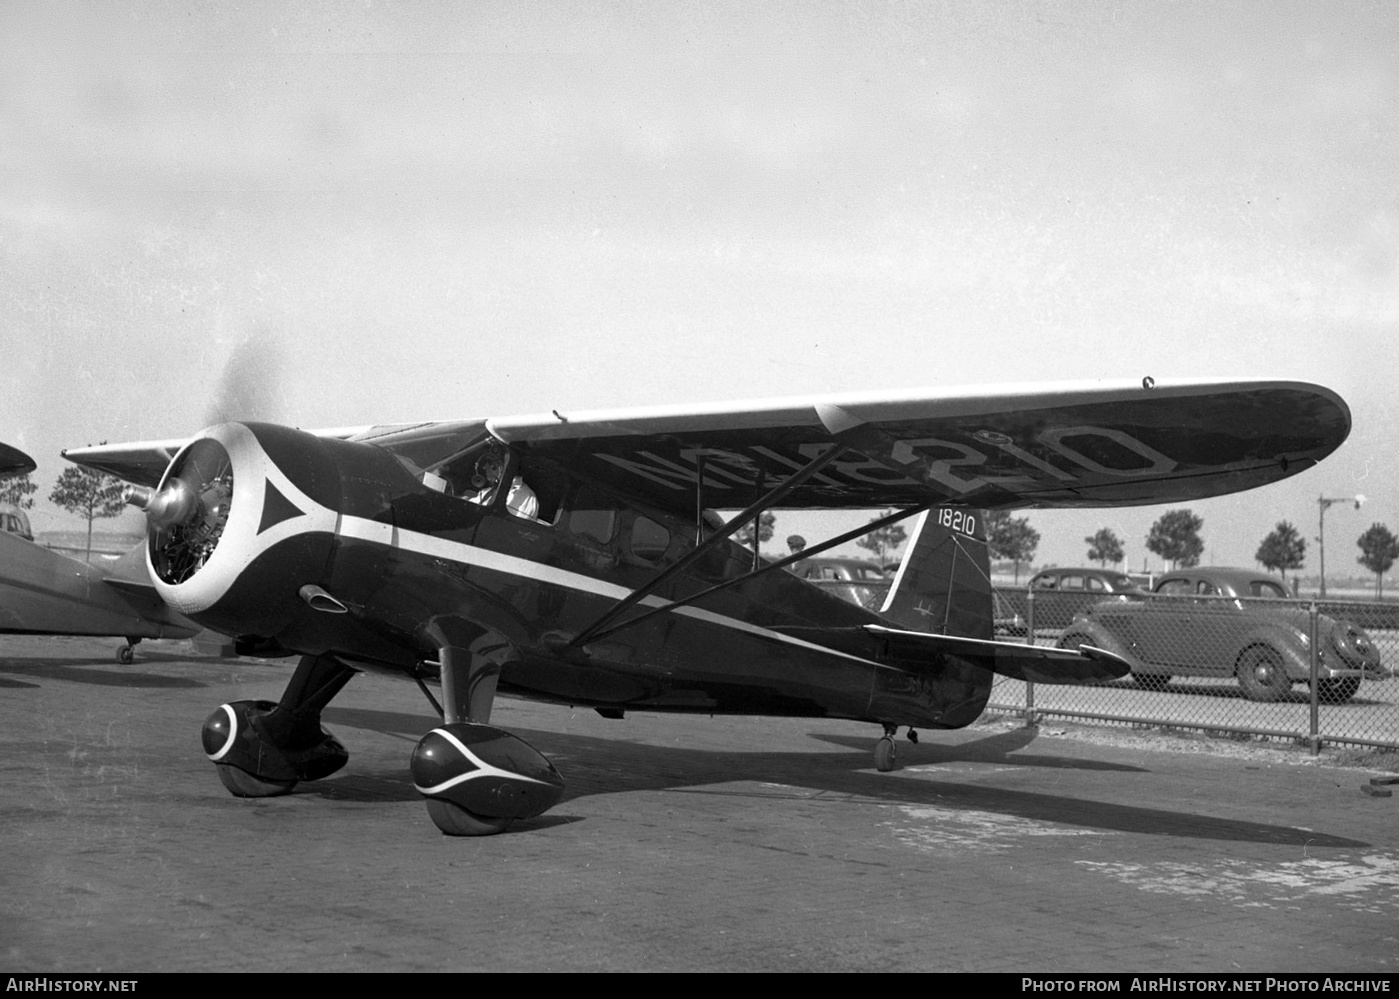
[(487, 474)]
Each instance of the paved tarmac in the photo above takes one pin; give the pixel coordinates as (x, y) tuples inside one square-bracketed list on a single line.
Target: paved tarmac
[(683, 843)]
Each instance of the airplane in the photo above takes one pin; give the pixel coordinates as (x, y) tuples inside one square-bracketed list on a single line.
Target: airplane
[(45, 593), (578, 558)]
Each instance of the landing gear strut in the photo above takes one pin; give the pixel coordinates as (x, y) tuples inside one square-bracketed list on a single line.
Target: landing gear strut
[(263, 749)]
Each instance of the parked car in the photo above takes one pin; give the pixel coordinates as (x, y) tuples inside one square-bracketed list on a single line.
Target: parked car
[(13, 520), (1059, 594), (1229, 622), (857, 580)]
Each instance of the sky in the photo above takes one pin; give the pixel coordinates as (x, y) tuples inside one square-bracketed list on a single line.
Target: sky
[(332, 214)]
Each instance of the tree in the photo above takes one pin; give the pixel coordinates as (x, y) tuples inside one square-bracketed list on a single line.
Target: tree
[(1105, 547), (1176, 538), (883, 539), (18, 490), (1011, 537), (1378, 550), (89, 494), (744, 535), (1282, 550)]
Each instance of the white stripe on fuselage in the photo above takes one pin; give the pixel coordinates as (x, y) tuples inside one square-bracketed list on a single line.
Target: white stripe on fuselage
[(456, 551)]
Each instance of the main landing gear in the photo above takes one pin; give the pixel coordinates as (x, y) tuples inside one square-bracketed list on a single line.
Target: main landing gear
[(126, 655), (885, 753), (263, 748), (477, 779)]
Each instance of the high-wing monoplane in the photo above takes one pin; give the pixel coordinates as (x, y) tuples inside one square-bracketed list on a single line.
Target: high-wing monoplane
[(45, 593), (578, 558)]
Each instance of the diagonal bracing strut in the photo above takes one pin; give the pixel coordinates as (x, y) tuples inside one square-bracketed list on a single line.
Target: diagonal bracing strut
[(814, 550), (771, 498)]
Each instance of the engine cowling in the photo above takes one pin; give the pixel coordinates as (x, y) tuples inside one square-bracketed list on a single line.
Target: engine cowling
[(242, 519)]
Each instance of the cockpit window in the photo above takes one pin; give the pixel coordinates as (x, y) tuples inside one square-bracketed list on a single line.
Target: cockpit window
[(473, 473)]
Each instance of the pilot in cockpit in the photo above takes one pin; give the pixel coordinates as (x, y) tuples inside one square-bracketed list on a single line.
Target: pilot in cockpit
[(482, 486), (485, 478)]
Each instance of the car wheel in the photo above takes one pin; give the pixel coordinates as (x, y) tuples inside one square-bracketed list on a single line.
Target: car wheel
[(1151, 681), (1261, 674), (1073, 640), (1337, 690)]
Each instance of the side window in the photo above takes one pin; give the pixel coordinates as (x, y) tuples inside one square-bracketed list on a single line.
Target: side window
[(592, 516), (1096, 584), (1262, 588), (1046, 583), (1206, 589), (595, 525), (1072, 583), (649, 540), (1174, 587)]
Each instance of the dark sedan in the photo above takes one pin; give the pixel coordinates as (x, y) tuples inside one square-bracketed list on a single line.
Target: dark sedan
[(1059, 594), (1229, 622)]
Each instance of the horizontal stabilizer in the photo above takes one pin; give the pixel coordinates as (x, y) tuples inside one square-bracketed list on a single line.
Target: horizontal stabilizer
[(1033, 663)]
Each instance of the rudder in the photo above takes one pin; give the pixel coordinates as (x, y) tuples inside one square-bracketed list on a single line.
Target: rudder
[(943, 585)]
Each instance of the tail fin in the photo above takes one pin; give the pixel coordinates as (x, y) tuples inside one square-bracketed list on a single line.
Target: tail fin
[(944, 583)]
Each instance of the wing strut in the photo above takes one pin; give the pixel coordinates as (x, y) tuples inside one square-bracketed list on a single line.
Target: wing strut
[(842, 444), (873, 525)]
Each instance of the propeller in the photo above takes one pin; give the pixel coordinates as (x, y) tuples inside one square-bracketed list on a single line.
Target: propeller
[(249, 386), (186, 517)]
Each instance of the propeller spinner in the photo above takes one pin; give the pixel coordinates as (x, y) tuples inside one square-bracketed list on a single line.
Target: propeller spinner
[(186, 516)]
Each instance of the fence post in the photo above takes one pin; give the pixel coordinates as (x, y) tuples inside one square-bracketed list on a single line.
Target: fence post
[(1314, 736), (1030, 719)]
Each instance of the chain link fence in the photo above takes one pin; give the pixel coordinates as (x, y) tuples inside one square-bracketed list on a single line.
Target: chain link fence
[(1317, 672), (1312, 671)]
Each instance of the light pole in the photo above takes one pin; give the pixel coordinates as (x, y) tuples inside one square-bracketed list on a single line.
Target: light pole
[(1324, 502)]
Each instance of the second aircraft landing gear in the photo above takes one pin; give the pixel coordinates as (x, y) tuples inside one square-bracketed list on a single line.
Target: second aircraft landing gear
[(263, 749)]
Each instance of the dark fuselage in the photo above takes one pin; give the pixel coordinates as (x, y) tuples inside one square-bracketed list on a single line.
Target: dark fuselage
[(405, 561)]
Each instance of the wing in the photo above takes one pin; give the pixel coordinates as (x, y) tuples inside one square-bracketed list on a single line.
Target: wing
[(145, 462), (1029, 446), (1035, 663), (1036, 446)]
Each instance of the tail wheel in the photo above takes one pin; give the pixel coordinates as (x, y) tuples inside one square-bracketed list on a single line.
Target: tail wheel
[(244, 785), (1337, 690), (885, 755), (1261, 674)]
